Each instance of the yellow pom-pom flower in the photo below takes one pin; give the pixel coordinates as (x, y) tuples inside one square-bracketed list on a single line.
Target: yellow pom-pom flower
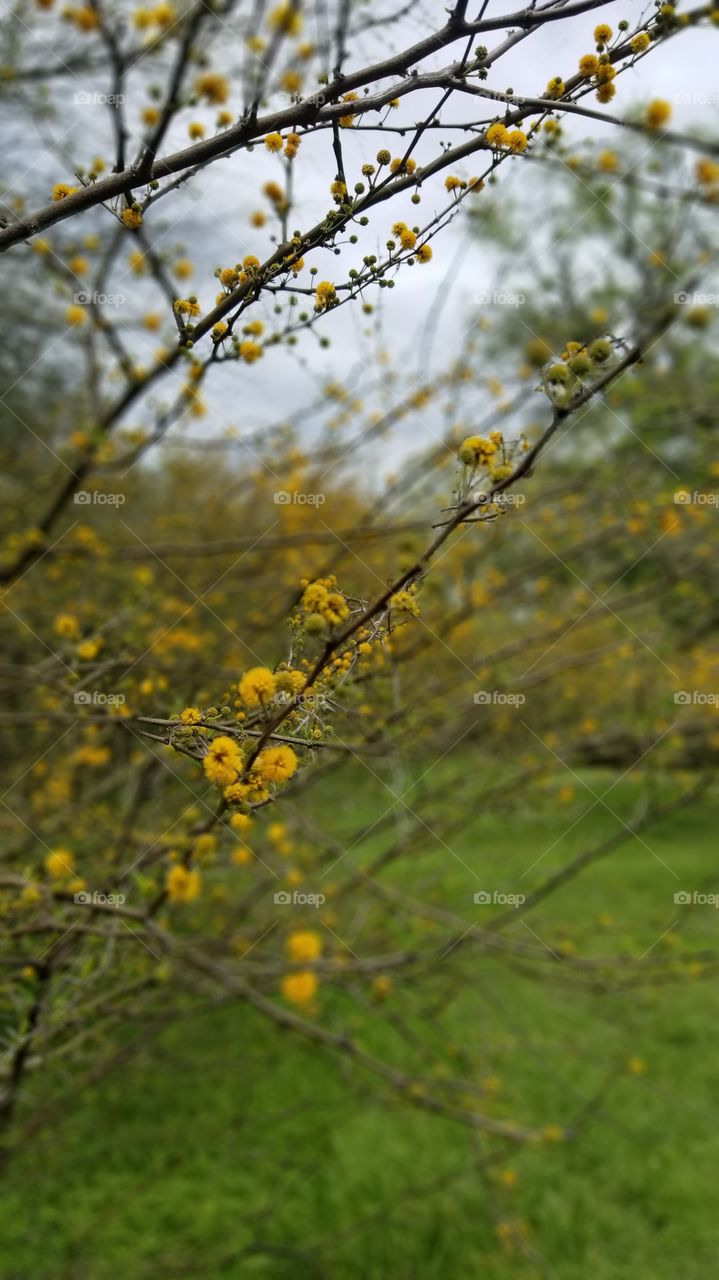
[(60, 864), (257, 686), (588, 65), (658, 113), (223, 761), (496, 134), (183, 884), (304, 945), (275, 764), (300, 988), (640, 42)]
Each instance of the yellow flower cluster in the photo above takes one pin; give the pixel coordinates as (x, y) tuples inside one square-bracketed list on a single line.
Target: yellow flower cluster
[(503, 139), (641, 42), (607, 161), (67, 625), (187, 306), (85, 18), (604, 78), (477, 451), (290, 682), (60, 864), (287, 19), (272, 765), (276, 195), (163, 15), (257, 687), (223, 761), (132, 217), (250, 351), (406, 236), (183, 884), (191, 715), (578, 361), (588, 65), (346, 121), (658, 113), (275, 764), (300, 988), (292, 80), (319, 598), (91, 757), (213, 87), (398, 165), (707, 172), (230, 277), (62, 190), (405, 602), (325, 295), (304, 945)]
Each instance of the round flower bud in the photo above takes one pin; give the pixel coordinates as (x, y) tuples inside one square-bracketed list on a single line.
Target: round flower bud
[(315, 624), (601, 350), (581, 363)]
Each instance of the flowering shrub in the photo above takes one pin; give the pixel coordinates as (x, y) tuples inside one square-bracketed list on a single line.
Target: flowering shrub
[(216, 636)]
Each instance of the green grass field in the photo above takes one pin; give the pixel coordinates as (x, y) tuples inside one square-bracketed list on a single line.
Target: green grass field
[(227, 1150)]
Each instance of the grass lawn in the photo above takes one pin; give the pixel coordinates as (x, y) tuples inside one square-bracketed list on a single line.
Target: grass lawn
[(227, 1150)]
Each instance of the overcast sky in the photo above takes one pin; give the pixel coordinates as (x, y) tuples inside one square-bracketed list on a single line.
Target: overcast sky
[(211, 215)]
